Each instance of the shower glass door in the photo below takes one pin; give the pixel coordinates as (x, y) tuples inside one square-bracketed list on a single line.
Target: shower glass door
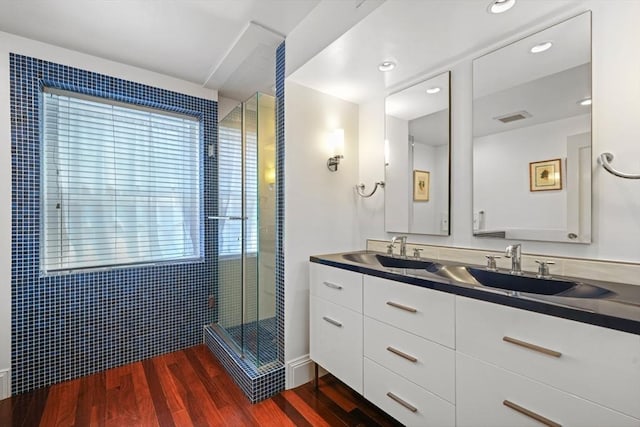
[(230, 226), (246, 272)]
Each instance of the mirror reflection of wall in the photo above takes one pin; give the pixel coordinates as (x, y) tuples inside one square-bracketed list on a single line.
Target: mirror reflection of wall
[(417, 164), (532, 137)]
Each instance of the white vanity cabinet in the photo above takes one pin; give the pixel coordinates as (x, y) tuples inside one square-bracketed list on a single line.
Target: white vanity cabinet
[(579, 370), (491, 396), (409, 361), (335, 322), (431, 358)]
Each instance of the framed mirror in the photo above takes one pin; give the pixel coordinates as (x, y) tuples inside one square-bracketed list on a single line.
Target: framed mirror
[(532, 137), (417, 158)]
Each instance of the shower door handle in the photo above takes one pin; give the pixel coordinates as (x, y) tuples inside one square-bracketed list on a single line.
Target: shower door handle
[(233, 218)]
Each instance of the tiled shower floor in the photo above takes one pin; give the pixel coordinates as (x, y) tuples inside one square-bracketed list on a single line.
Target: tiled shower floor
[(259, 340)]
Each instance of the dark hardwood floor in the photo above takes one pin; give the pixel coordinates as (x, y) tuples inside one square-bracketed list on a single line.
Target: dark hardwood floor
[(185, 388)]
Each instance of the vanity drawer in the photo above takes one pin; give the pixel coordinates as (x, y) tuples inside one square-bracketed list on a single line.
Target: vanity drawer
[(336, 340), (484, 391), (428, 364), (342, 287), (403, 400), (596, 363), (424, 312)]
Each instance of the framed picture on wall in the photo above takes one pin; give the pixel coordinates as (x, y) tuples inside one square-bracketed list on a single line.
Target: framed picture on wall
[(545, 175), (420, 186)]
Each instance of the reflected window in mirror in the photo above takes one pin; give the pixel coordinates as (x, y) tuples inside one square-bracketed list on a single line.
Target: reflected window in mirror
[(417, 158), (532, 137)]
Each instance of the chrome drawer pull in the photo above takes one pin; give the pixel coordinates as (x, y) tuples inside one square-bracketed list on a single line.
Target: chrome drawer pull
[(332, 285), (533, 347), (333, 322), (402, 307), (402, 354), (402, 402), (530, 414)]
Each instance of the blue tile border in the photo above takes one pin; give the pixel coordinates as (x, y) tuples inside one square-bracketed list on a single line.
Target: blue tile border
[(72, 325), (256, 383), (280, 174)]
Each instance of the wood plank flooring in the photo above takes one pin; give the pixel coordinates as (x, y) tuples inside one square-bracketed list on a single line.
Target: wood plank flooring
[(185, 388)]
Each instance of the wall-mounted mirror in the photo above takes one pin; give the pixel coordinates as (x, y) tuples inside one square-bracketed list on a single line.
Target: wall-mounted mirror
[(532, 137), (417, 161)]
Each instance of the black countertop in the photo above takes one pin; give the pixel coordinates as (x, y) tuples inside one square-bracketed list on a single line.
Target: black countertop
[(620, 310)]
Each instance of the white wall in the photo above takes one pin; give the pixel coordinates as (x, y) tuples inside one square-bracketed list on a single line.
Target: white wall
[(371, 215), (423, 214), (616, 108), (397, 176), (13, 44), (320, 210), (427, 217), (512, 151)]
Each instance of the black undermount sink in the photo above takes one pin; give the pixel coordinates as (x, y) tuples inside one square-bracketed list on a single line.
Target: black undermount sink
[(482, 278), (393, 262), (535, 285), (388, 261)]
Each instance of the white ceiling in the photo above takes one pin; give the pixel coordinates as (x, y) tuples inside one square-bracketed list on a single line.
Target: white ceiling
[(420, 36), (414, 101), (432, 129), (547, 99), (547, 85), (514, 64), (189, 39)]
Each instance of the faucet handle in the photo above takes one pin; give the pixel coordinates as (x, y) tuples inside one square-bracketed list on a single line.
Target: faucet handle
[(491, 262), (543, 269), (416, 252), (390, 247)]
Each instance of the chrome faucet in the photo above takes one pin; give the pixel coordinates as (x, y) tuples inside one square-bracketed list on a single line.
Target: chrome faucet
[(514, 252), (403, 244)]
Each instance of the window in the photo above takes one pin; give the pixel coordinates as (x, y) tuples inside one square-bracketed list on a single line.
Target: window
[(120, 184)]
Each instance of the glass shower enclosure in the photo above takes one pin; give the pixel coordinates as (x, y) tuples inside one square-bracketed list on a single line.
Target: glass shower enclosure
[(246, 230)]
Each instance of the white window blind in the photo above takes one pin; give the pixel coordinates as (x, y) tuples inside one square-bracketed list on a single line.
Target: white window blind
[(230, 232), (120, 184)]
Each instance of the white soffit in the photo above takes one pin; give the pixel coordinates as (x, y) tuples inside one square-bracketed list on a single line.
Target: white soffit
[(252, 56)]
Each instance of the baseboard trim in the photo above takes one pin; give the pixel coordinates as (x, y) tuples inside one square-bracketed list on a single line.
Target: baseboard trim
[(300, 371), (5, 387)]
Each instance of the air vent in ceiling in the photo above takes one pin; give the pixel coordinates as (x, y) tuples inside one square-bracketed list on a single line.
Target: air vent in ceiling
[(512, 117)]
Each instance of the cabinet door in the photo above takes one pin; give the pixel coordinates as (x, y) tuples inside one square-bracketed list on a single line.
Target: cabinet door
[(405, 401), (490, 396), (596, 363), (426, 363), (342, 287), (424, 312), (336, 341)]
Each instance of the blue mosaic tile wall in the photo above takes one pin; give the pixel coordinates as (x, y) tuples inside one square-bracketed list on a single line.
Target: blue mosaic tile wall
[(280, 75), (265, 381), (72, 325)]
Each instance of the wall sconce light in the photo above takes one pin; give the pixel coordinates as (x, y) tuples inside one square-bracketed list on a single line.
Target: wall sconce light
[(270, 176), (336, 148)]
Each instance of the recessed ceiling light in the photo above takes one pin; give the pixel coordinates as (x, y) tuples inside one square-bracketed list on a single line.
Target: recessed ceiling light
[(387, 66), (584, 102), (541, 47), (433, 90), (499, 6)]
